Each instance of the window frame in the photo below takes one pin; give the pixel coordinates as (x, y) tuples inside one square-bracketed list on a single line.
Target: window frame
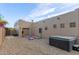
[(46, 28), (54, 25), (72, 24), (62, 25)]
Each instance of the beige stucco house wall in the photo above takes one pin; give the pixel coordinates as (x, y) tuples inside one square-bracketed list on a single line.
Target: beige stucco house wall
[(21, 26), (66, 19), (66, 24)]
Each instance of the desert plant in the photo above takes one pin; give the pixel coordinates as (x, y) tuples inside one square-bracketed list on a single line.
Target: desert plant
[(3, 22)]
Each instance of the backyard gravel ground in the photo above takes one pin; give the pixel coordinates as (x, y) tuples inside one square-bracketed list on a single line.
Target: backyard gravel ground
[(23, 46)]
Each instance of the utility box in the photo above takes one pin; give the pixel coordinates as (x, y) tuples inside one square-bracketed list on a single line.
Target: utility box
[(63, 42)]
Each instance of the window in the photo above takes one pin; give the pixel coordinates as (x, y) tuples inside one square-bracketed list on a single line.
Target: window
[(58, 18), (46, 28), (43, 21), (54, 26), (62, 25), (40, 30), (72, 24)]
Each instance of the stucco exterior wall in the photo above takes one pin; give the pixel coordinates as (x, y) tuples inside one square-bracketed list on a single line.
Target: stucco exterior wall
[(77, 13), (22, 24), (64, 18)]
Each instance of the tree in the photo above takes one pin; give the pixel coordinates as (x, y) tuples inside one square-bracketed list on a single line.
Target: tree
[(2, 22)]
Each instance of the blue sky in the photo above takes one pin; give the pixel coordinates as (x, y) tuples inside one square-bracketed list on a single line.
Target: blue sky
[(12, 12)]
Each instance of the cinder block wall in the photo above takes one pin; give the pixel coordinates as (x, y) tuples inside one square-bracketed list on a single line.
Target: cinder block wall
[(2, 35)]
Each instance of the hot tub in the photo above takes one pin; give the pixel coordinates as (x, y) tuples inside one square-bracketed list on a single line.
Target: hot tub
[(63, 42)]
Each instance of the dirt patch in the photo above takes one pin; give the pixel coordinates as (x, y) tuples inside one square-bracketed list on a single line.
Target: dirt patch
[(23, 46)]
